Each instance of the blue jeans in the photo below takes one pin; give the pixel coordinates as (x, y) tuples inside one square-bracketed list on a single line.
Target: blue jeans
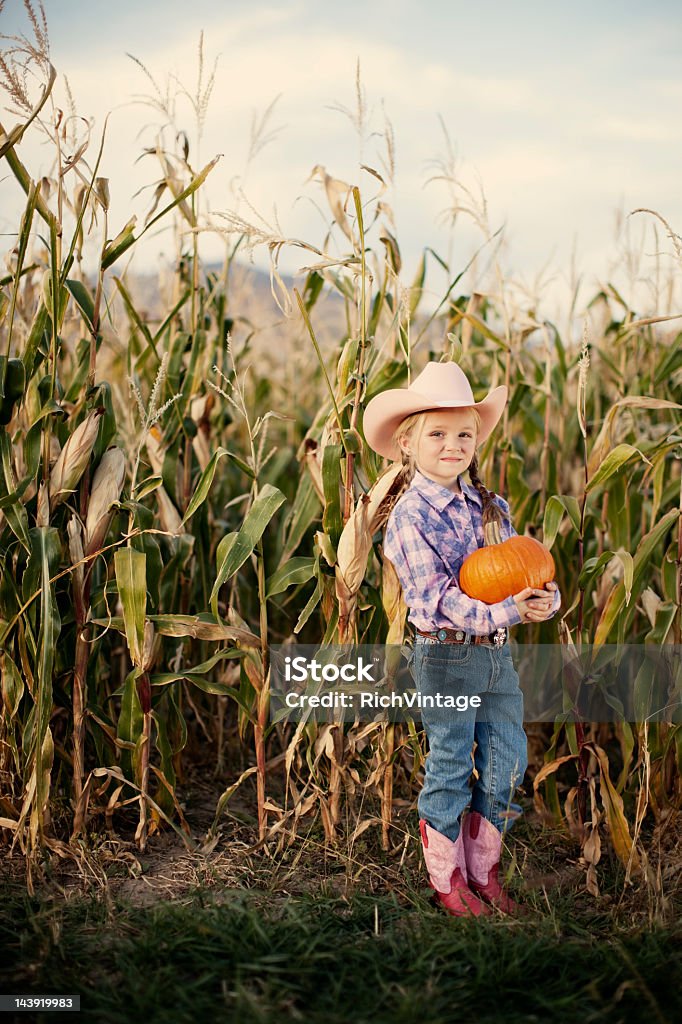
[(496, 726)]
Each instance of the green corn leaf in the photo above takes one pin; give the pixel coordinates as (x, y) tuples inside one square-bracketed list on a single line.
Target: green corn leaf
[(147, 486), (120, 244), (642, 560), (257, 518), (131, 579), (177, 726), (555, 508), (314, 283), (331, 477), (345, 365), (36, 337), (84, 301), (130, 719), (665, 617), (148, 545), (197, 675), (14, 511), (296, 570), (223, 550), (206, 479), (12, 684), (163, 745), (310, 607), (592, 568), (613, 462), (165, 678), (305, 508), (46, 547)]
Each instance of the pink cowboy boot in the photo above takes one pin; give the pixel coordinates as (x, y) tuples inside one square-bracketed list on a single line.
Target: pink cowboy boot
[(446, 866), (482, 845)]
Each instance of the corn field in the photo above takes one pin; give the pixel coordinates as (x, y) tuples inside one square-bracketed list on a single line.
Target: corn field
[(177, 496)]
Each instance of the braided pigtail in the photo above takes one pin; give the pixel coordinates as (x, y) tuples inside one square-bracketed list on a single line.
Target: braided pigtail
[(392, 490), (492, 513), (409, 426)]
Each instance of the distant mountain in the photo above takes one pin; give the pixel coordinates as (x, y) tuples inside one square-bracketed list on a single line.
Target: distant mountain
[(250, 305)]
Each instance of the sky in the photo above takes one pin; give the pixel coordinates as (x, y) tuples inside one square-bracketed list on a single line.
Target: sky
[(566, 114)]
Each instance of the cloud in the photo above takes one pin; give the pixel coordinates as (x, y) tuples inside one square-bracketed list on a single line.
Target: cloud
[(635, 129), (555, 145)]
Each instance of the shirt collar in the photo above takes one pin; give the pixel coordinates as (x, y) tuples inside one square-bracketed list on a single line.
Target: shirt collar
[(440, 497)]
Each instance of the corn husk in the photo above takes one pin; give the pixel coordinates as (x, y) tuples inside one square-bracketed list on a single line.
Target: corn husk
[(312, 457), (150, 647), (107, 484), (199, 409), (43, 507), (55, 449), (171, 520), (202, 450), (608, 581), (370, 514), (75, 532), (393, 602), (353, 550), (381, 497), (396, 613), (154, 449), (651, 602), (73, 458)]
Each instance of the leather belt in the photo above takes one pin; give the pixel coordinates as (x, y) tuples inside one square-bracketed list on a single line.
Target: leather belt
[(459, 636)]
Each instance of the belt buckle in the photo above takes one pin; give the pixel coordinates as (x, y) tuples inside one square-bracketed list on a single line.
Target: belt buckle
[(500, 636)]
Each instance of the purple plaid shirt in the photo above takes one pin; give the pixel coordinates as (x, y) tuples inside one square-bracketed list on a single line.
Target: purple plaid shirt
[(429, 533)]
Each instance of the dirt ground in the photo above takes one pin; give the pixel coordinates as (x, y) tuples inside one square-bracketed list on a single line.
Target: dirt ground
[(540, 862)]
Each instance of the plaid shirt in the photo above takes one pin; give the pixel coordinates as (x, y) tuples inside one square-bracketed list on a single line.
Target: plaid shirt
[(429, 533)]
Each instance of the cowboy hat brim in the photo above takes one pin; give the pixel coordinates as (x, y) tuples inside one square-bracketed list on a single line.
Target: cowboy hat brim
[(385, 412)]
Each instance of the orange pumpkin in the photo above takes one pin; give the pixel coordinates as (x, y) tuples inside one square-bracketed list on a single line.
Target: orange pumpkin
[(503, 568)]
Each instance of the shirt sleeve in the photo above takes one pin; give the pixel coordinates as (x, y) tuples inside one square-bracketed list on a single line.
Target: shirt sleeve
[(430, 590), (511, 532)]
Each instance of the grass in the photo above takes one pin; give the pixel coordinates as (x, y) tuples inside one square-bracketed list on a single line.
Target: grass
[(248, 937), (324, 958)]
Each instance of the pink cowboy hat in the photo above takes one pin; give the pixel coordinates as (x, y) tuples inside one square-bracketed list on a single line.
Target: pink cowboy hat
[(438, 386)]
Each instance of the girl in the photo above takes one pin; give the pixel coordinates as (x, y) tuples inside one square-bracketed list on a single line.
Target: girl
[(461, 644)]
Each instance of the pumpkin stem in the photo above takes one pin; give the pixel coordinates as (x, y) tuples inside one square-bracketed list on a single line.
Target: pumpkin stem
[(491, 533)]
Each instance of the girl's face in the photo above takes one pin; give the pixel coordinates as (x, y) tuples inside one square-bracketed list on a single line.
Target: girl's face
[(445, 446)]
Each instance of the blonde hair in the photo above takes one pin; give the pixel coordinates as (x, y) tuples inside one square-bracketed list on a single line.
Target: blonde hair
[(411, 427)]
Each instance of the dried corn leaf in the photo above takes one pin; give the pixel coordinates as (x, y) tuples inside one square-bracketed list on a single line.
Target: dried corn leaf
[(615, 817)]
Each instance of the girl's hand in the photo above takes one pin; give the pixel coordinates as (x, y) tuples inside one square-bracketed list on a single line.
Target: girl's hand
[(535, 605)]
